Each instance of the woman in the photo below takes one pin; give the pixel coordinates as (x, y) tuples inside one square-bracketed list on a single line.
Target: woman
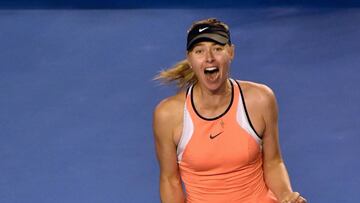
[(218, 136)]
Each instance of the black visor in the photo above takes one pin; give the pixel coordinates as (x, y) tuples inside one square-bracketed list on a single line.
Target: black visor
[(207, 32)]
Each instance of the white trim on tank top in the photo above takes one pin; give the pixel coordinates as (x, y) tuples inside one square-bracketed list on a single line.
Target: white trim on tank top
[(188, 126), (187, 131), (243, 120)]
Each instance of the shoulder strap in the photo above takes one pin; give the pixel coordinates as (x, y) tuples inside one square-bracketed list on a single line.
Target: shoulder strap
[(245, 110)]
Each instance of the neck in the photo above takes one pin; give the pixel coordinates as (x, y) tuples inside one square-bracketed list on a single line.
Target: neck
[(208, 99)]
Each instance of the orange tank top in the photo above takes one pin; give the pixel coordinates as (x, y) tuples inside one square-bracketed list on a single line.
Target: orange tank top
[(220, 159)]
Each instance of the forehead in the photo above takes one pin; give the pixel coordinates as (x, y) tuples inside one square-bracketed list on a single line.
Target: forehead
[(206, 43)]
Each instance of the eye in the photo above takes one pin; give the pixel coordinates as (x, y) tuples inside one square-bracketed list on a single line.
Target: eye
[(198, 51), (218, 48)]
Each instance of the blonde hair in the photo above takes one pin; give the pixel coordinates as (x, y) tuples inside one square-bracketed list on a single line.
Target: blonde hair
[(182, 73)]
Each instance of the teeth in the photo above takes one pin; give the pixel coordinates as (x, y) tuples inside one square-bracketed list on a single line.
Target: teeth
[(211, 68)]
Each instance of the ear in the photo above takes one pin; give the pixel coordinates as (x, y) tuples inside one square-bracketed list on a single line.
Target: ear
[(187, 58), (232, 51)]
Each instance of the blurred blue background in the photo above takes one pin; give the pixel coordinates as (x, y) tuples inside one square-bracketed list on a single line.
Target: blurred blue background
[(116, 4), (77, 93)]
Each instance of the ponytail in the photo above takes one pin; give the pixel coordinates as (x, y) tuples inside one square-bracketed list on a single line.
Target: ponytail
[(181, 73)]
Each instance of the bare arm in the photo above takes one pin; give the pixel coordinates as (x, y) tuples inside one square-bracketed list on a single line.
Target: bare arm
[(276, 175), (164, 123)]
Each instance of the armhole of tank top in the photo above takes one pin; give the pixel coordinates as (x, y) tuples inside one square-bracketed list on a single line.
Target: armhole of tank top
[(246, 112), (187, 130)]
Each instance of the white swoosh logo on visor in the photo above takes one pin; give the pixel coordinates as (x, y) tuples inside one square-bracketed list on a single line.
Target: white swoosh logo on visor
[(202, 29)]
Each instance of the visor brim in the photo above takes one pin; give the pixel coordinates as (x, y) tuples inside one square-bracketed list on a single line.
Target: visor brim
[(213, 37)]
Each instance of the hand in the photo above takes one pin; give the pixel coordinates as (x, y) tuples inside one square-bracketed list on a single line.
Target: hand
[(294, 197)]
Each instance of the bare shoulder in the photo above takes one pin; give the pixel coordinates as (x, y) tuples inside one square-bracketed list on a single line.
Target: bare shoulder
[(168, 117), (260, 102), (170, 107), (257, 92)]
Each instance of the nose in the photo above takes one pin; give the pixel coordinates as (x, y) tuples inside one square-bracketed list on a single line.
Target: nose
[(209, 56)]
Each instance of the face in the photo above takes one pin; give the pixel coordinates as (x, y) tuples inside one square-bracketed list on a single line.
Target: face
[(211, 63)]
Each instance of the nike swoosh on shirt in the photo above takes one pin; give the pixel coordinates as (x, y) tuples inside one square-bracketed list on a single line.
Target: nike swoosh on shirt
[(213, 136)]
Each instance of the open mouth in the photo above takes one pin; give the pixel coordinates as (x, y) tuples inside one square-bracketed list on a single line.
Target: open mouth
[(211, 70)]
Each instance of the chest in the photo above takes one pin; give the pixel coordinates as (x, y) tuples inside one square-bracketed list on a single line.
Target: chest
[(220, 146)]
